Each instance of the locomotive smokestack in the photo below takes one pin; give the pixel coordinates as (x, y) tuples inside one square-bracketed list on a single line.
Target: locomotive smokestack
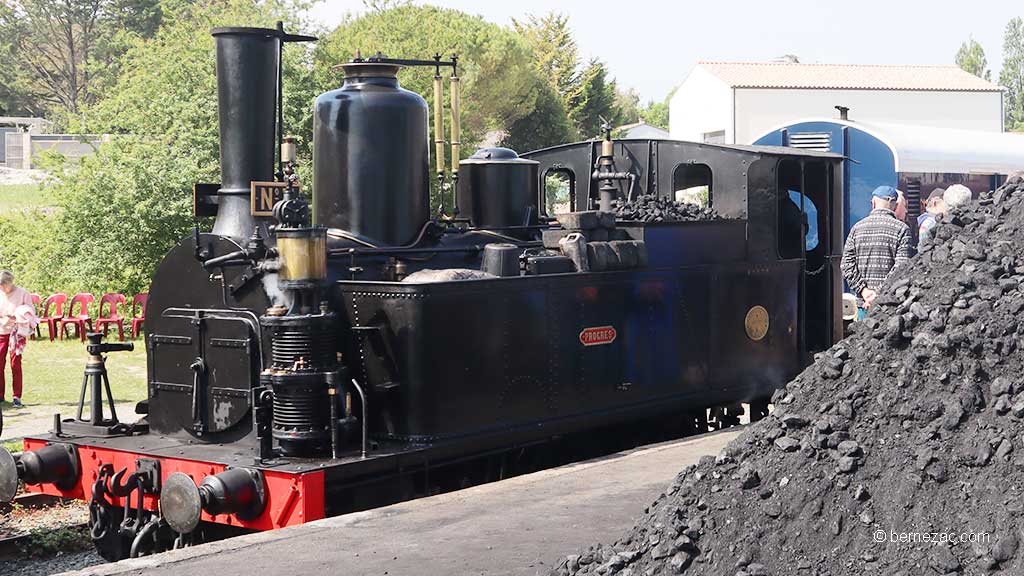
[(247, 64)]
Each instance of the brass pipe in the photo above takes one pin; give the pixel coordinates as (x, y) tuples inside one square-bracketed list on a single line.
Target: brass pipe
[(456, 122), (439, 123)]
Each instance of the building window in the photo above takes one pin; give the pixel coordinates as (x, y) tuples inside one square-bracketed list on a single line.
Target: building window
[(559, 191), (716, 137), (691, 183)]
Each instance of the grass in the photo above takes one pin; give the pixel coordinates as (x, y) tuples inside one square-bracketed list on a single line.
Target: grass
[(53, 372), (22, 196)]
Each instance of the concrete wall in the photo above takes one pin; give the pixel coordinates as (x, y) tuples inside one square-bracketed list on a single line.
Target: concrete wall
[(701, 105), (71, 146), (759, 110)]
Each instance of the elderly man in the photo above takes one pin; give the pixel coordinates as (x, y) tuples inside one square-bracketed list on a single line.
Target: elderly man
[(956, 195), (876, 246), (11, 298), (935, 206)]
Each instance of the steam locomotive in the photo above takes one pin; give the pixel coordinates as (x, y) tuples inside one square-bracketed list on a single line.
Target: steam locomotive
[(306, 360)]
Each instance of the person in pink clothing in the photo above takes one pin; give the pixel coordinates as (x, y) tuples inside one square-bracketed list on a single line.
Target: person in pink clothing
[(11, 298)]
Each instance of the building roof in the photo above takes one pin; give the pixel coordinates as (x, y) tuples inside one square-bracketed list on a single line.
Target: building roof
[(846, 76)]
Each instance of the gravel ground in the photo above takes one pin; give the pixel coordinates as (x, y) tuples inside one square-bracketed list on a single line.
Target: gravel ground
[(54, 565), (20, 521)]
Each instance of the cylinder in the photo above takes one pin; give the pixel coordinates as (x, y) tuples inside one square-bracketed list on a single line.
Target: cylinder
[(371, 156), (303, 255), (247, 61), (302, 413), (498, 189)]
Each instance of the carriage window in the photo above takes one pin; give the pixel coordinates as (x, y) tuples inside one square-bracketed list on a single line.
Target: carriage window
[(691, 183), (559, 191)]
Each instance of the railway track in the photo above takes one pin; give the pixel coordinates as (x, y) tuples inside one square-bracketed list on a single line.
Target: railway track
[(22, 520)]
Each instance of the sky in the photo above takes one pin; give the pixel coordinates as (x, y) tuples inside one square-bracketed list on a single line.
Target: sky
[(651, 46)]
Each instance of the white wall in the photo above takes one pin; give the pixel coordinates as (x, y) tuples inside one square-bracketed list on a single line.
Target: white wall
[(702, 104), (759, 109)]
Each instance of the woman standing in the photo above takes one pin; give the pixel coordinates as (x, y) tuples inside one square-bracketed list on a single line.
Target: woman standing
[(11, 298)]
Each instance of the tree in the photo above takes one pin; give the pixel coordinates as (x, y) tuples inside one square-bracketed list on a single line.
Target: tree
[(593, 101), (119, 210), (587, 92), (627, 104), (1012, 75), (656, 113), (555, 54), (971, 57), (547, 125), (62, 50), (15, 95)]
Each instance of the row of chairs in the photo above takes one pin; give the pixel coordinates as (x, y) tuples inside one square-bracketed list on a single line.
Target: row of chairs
[(57, 319)]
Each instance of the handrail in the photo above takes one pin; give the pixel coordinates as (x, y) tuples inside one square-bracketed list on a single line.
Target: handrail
[(362, 398)]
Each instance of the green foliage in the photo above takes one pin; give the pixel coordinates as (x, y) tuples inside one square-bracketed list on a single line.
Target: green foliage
[(1012, 75), (546, 125), (21, 197), (62, 53), (593, 101), (50, 541), (555, 54), (139, 189), (586, 91), (971, 57), (627, 103), (15, 94), (656, 114), (557, 197), (120, 210)]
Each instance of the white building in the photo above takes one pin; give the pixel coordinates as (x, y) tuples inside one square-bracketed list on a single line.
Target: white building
[(737, 102)]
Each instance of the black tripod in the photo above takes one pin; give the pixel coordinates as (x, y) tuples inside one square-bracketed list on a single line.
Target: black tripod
[(96, 381)]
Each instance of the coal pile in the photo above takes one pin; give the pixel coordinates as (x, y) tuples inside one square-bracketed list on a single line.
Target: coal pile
[(651, 208), (900, 451)]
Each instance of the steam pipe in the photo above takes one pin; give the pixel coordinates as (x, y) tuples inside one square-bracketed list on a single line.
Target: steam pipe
[(456, 90), (439, 130)]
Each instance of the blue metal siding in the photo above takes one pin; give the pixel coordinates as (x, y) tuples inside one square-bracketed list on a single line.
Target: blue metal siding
[(869, 164)]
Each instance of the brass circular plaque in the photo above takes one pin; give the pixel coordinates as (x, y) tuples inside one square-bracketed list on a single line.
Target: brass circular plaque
[(756, 323)]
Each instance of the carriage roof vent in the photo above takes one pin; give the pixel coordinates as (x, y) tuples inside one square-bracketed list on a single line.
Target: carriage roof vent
[(817, 141)]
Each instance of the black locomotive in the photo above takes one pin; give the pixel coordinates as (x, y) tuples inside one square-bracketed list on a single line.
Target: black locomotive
[(309, 361)]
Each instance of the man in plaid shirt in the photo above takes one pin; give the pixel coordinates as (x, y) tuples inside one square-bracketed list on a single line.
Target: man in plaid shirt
[(876, 245)]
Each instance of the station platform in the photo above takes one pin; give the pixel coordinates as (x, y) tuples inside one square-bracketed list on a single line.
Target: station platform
[(517, 526)]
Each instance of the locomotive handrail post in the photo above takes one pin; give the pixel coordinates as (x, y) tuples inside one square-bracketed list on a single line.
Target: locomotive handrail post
[(362, 398)]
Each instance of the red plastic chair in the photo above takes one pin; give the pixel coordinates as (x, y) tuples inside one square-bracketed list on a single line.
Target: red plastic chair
[(81, 321), (113, 303), (36, 299), (138, 312), (52, 319)]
